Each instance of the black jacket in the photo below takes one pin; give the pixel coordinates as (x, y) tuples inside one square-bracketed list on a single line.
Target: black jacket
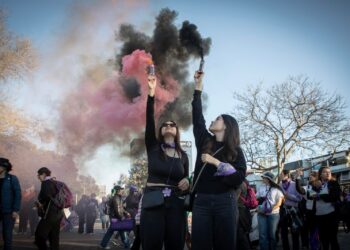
[(48, 190)]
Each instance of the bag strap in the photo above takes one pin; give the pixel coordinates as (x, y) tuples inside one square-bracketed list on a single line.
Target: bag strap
[(200, 172)]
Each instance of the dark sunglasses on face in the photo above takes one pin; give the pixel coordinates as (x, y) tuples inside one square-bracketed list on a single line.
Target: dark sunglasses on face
[(169, 124)]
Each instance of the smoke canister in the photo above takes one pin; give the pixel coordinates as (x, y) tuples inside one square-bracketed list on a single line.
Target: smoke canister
[(201, 66), (151, 70)]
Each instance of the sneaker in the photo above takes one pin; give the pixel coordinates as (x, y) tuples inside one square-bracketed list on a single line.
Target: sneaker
[(116, 243)]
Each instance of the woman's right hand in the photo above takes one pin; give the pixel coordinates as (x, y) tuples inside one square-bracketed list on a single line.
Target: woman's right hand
[(198, 77), (152, 83)]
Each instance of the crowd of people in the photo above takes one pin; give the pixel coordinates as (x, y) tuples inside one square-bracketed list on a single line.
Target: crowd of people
[(223, 205)]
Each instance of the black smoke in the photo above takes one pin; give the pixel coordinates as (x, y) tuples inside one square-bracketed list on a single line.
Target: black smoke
[(131, 88), (171, 49)]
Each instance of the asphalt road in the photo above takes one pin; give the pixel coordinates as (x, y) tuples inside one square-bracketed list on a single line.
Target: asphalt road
[(73, 240)]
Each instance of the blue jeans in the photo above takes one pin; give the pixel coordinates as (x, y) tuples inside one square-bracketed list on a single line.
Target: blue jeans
[(214, 221), (108, 235), (267, 231), (7, 227)]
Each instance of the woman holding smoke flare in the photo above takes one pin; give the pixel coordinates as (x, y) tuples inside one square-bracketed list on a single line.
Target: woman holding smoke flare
[(221, 159), (165, 223)]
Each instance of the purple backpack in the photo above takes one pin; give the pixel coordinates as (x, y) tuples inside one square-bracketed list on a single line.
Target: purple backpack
[(64, 197)]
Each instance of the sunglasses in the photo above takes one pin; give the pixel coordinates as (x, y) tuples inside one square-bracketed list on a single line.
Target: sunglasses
[(169, 124)]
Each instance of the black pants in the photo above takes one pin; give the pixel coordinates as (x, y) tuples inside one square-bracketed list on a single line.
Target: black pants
[(48, 229), (33, 222), (165, 224), (90, 223), (81, 223), (328, 230), (214, 221), (7, 227), (244, 227), (285, 224), (137, 241), (23, 222)]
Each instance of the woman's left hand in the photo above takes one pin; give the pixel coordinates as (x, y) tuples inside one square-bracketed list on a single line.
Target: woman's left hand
[(184, 184), (207, 158)]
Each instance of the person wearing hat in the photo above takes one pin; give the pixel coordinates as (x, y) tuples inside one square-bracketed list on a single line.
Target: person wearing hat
[(223, 165), (10, 201), (271, 197), (116, 211)]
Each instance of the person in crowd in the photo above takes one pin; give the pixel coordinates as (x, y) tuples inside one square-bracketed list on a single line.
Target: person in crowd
[(327, 198), (289, 214), (168, 174), (132, 201), (137, 241), (81, 211), (33, 214), (10, 201), (51, 215), (310, 193), (118, 212), (103, 211), (24, 212), (244, 219), (271, 198), (214, 213), (91, 213), (303, 231)]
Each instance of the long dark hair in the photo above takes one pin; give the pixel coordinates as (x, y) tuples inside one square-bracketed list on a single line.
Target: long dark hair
[(274, 185), (161, 140), (231, 139)]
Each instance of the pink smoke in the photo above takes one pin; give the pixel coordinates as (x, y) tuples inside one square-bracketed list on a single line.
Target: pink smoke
[(93, 116)]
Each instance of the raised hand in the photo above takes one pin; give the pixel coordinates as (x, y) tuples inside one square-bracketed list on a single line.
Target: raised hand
[(198, 77), (152, 83)]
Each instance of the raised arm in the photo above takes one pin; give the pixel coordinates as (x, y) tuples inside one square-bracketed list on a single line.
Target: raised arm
[(150, 133), (199, 129)]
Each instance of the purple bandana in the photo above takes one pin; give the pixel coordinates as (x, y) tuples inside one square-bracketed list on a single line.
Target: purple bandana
[(225, 169), (167, 145)]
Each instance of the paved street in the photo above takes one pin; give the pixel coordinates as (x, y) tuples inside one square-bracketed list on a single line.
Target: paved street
[(73, 240)]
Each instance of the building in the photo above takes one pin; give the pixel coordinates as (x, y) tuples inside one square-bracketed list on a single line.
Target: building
[(339, 162)]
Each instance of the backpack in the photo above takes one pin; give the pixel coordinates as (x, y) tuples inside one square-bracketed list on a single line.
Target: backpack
[(64, 197), (250, 199)]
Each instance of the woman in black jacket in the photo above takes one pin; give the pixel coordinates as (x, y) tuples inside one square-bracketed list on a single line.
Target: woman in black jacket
[(214, 218), (167, 172), (327, 199)]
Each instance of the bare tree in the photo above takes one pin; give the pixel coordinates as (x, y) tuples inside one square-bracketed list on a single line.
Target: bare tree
[(16, 54), (296, 116), (138, 173)]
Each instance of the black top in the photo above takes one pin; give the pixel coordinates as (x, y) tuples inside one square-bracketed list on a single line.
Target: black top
[(208, 183), (48, 190), (166, 171)]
